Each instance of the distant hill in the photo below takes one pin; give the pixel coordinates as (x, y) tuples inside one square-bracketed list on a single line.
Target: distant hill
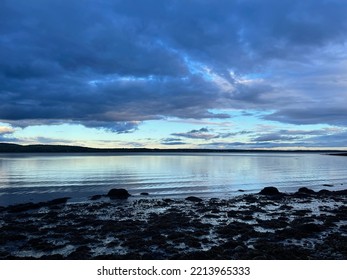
[(15, 148), (339, 154)]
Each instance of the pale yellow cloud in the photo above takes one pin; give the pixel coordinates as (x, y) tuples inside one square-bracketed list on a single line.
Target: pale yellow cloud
[(6, 130)]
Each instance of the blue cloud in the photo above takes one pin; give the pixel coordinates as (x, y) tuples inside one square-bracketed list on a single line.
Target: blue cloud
[(172, 141), (202, 133), (114, 64)]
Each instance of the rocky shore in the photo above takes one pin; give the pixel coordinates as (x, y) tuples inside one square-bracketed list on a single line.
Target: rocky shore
[(268, 225)]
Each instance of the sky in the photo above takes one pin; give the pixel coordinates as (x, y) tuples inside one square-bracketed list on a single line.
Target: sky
[(226, 74)]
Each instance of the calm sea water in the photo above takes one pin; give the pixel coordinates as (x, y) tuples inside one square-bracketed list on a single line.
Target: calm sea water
[(38, 177)]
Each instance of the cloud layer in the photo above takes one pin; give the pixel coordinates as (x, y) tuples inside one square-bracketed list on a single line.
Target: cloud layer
[(114, 64)]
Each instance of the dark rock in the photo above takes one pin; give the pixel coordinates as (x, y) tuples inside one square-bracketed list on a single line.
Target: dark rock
[(273, 223), (144, 193), (241, 190), (269, 191), (215, 211), (302, 212), (342, 192), (176, 236), (306, 191), (33, 206), (118, 194), (39, 245), (57, 201), (250, 199), (247, 218), (324, 192), (52, 257), (193, 199), (280, 251), (211, 216), (300, 230), (234, 229), (286, 207), (96, 197), (23, 207), (310, 228), (328, 185), (239, 248), (82, 252), (232, 214), (14, 237), (192, 242)]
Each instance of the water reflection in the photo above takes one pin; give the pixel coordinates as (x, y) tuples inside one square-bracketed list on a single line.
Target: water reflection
[(31, 176)]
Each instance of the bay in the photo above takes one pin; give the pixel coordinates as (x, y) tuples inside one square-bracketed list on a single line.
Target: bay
[(39, 177)]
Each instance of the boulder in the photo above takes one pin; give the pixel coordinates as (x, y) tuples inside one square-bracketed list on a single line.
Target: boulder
[(144, 193), (306, 191), (118, 194), (193, 199), (325, 192), (57, 201), (269, 191)]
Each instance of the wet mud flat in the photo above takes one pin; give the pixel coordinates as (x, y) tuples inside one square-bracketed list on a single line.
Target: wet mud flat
[(296, 226)]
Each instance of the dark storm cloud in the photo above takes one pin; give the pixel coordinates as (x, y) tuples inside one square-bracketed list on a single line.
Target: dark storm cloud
[(336, 115), (319, 138), (338, 139), (326, 137), (113, 64), (118, 127)]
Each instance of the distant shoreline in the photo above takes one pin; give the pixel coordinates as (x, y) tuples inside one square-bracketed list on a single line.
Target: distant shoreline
[(15, 148), (339, 154)]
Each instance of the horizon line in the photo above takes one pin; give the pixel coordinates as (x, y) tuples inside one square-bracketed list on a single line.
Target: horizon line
[(12, 147)]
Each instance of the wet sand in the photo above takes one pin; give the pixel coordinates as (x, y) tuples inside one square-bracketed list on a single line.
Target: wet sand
[(287, 226)]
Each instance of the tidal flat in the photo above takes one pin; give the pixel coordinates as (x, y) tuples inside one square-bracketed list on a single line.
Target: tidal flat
[(302, 225)]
